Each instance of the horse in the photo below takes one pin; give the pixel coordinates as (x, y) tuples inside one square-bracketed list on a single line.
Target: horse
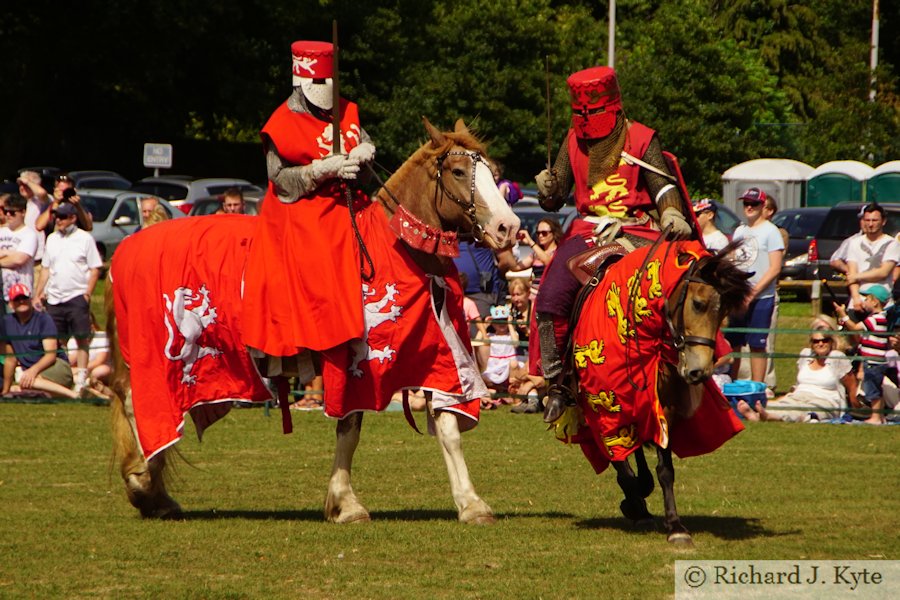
[(645, 346), (444, 189)]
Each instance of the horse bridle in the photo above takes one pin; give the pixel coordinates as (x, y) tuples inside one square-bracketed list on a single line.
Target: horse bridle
[(468, 207), (679, 340)]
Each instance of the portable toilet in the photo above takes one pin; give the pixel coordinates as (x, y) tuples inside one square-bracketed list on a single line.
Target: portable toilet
[(782, 178), (837, 181), (883, 184)]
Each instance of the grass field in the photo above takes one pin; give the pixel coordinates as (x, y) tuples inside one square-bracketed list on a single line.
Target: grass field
[(254, 528)]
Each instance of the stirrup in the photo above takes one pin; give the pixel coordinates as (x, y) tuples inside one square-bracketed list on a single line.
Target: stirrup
[(559, 397)]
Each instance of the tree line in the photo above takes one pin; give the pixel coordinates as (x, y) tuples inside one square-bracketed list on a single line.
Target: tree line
[(723, 82)]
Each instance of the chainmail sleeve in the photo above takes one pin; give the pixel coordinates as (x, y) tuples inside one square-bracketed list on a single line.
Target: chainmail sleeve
[(565, 178), (292, 182), (663, 191)]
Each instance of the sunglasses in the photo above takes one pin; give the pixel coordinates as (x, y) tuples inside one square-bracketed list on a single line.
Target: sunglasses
[(10, 211), (752, 204), (820, 341), (64, 178), (539, 232)]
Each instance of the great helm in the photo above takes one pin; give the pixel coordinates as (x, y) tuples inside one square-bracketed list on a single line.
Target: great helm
[(596, 101), (312, 69)]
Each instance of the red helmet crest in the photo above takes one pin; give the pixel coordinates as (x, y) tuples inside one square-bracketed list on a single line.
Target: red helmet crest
[(596, 101), (311, 60)]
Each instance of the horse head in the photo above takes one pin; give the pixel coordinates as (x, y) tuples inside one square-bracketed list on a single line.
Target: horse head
[(467, 198), (711, 289)]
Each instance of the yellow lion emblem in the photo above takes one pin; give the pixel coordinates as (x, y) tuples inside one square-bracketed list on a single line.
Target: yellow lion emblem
[(592, 352), (614, 309), (627, 438), (605, 400)]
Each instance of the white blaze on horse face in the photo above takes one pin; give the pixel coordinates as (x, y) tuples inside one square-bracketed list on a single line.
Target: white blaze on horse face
[(501, 224)]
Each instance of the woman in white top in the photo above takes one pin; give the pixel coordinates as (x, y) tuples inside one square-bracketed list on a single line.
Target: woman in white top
[(824, 378)]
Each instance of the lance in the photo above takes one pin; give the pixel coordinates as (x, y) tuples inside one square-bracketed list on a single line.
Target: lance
[(547, 71), (336, 146)]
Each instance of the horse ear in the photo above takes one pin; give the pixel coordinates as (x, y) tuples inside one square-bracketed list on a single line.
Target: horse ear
[(437, 138), (460, 127)]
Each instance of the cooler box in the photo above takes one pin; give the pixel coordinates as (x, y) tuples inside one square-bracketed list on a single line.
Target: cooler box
[(747, 390)]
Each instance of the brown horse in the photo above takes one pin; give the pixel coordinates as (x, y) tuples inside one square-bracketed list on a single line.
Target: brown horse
[(446, 187), (647, 337)]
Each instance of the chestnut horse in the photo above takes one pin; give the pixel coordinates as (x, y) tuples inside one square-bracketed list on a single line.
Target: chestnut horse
[(446, 187), (644, 352)]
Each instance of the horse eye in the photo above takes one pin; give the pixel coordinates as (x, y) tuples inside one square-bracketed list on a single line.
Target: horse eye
[(699, 305), (457, 172)]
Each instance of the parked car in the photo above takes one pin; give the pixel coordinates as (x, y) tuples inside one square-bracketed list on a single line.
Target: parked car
[(102, 180), (182, 190), (841, 222), (117, 214), (211, 204), (802, 224)]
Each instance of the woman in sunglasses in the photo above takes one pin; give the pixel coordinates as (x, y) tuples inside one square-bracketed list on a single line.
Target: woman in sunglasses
[(825, 378), (547, 236)]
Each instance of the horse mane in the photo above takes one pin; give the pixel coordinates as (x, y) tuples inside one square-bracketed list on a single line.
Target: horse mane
[(729, 280), (428, 153)]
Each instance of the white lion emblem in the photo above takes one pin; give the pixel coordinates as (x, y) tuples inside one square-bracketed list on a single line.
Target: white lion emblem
[(306, 63), (374, 317), (190, 315)]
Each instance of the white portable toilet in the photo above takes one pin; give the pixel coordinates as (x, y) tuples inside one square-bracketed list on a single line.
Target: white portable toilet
[(782, 178), (837, 181), (884, 183)]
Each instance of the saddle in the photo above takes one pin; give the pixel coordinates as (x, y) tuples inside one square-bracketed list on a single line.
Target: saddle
[(593, 261)]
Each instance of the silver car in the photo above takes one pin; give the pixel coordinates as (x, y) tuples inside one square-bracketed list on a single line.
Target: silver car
[(117, 214), (182, 190)]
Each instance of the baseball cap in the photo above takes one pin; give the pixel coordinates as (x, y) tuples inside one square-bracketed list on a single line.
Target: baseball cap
[(19, 289), (500, 312), (705, 204), (66, 209), (873, 289), (753, 196)]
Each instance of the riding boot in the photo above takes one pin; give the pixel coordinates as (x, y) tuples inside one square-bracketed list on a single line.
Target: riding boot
[(559, 393)]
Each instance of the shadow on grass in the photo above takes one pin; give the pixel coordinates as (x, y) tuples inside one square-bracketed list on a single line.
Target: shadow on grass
[(726, 528), (382, 515)]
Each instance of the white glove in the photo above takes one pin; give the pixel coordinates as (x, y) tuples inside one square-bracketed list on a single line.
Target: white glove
[(364, 153), (336, 166), (680, 228), (547, 184)]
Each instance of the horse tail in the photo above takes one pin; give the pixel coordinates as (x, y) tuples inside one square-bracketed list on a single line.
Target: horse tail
[(124, 444)]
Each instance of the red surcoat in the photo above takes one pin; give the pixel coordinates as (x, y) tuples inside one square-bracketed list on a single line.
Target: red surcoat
[(623, 193), (302, 284)]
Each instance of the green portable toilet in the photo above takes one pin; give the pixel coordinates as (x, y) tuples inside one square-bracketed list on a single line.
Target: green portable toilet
[(884, 183), (837, 181)]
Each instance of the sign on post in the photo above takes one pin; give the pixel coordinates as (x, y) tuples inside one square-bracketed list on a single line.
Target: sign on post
[(157, 156)]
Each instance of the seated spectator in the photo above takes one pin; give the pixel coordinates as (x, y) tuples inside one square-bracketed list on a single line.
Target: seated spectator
[(157, 215), (873, 345), (520, 312), (233, 201), (825, 378), (34, 360), (99, 364), (499, 354)]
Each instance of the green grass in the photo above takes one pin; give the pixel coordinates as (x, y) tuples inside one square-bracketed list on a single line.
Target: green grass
[(254, 497)]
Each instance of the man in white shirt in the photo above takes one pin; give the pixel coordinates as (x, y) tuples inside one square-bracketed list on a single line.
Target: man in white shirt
[(761, 254), (71, 269), (18, 245), (872, 256), (33, 191), (705, 210)]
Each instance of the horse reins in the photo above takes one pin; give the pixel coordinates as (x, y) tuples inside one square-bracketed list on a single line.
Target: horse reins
[(678, 338)]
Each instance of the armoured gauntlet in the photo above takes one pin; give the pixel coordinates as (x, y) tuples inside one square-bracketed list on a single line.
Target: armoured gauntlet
[(334, 167)]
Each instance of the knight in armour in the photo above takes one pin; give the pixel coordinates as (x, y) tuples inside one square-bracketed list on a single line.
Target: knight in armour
[(623, 189), (301, 288)]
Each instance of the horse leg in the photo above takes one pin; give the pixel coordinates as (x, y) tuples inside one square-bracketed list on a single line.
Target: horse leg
[(665, 472), (645, 477), (633, 507), (471, 508), (144, 480), (341, 505)]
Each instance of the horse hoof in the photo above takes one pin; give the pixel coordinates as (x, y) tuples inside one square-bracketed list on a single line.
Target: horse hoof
[(357, 514), (477, 513), (635, 514), (680, 538)]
